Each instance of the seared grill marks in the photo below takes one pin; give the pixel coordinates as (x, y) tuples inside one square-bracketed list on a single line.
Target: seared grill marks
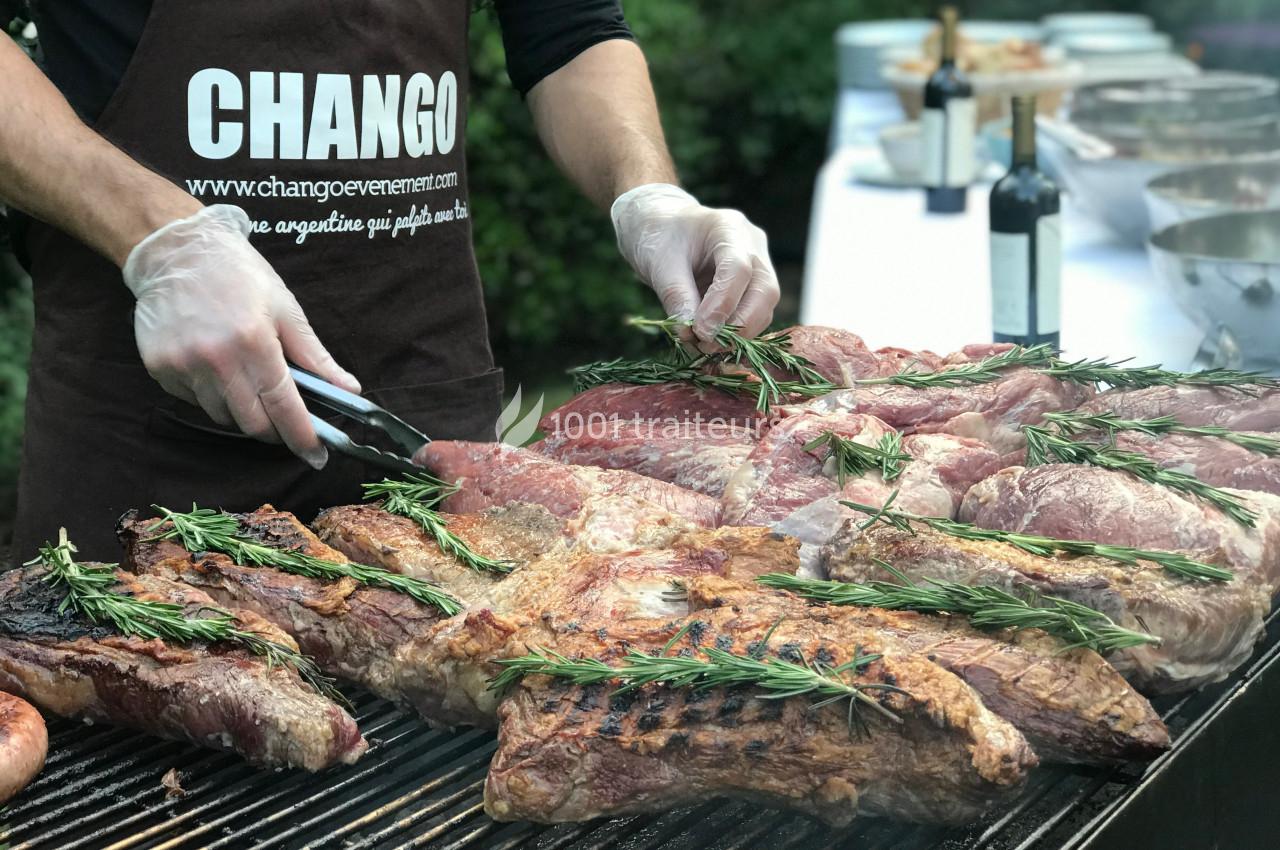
[(212, 695), (1073, 706), (573, 753)]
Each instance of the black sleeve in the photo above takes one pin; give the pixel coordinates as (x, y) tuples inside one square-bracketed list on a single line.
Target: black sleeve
[(541, 36), (87, 46)]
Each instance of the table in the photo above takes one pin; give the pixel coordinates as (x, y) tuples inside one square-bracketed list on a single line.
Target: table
[(879, 266)]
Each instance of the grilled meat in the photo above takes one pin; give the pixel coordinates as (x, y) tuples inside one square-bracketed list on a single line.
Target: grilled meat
[(580, 590), (991, 413), (569, 753), (493, 475), (595, 589), (378, 638), (24, 742), (1088, 503), (1190, 405), (1071, 705), (212, 695), (698, 456), (554, 575), (1206, 630), (516, 533)]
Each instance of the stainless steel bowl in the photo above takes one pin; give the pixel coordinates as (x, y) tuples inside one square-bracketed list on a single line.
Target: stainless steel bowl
[(1213, 190), (1224, 272), (1112, 189), (1209, 98)]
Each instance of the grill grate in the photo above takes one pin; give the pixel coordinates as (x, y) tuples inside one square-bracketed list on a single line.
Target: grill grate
[(416, 787)]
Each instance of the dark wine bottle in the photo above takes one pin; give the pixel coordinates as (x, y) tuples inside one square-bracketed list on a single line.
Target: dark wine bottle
[(1026, 242), (948, 125)]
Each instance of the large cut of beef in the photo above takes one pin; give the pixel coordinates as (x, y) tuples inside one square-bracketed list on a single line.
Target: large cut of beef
[(698, 456), (796, 489), (554, 575), (492, 475), (570, 753), (1211, 459), (661, 404), (375, 637), (578, 590), (1222, 406), (1206, 629), (213, 695), (1080, 502), (992, 413), (516, 533), (1071, 705)]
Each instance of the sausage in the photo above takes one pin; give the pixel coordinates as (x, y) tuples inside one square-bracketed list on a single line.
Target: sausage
[(23, 744)]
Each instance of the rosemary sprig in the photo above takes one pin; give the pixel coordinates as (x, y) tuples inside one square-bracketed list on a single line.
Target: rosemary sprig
[(1073, 423), (88, 592), (415, 498), (716, 669), (852, 459), (207, 530), (985, 607), (984, 371), (1042, 359), (1116, 374), (620, 371), (895, 459), (1044, 446), (1174, 562), (760, 356)]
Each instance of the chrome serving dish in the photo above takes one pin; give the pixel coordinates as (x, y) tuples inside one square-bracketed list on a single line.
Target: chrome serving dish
[(1213, 190), (1224, 272)]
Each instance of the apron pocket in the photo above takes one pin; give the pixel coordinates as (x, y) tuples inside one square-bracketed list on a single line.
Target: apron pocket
[(456, 409), (174, 419)]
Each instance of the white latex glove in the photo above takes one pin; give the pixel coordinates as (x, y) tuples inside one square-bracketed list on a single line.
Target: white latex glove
[(706, 265), (214, 325)]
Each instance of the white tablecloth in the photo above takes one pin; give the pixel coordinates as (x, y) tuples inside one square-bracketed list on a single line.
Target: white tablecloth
[(879, 266)]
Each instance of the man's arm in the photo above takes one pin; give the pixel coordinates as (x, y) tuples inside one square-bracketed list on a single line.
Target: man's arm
[(58, 170), (213, 321), (598, 118)]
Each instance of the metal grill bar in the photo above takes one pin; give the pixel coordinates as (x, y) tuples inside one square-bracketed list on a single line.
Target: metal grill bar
[(419, 788)]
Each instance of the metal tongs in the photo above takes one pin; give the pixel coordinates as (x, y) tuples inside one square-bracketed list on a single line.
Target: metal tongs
[(365, 412)]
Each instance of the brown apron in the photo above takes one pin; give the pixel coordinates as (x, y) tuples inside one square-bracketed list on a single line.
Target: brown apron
[(339, 128)]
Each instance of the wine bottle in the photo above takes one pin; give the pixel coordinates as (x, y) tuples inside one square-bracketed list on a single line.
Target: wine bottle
[(1026, 242), (948, 125)]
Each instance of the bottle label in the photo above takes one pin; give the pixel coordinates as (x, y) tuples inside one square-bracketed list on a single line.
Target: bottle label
[(1011, 279), (948, 143)]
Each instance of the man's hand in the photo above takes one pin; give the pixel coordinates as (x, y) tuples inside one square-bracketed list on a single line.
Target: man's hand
[(215, 324), (706, 265), (598, 118)]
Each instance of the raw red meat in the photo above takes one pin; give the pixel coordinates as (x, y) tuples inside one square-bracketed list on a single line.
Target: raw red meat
[(780, 478), (698, 457), (493, 475), (990, 412), (1088, 503), (1220, 406), (660, 403), (1211, 459)]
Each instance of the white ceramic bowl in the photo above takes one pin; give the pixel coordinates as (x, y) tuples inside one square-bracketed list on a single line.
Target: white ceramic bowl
[(1061, 23)]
